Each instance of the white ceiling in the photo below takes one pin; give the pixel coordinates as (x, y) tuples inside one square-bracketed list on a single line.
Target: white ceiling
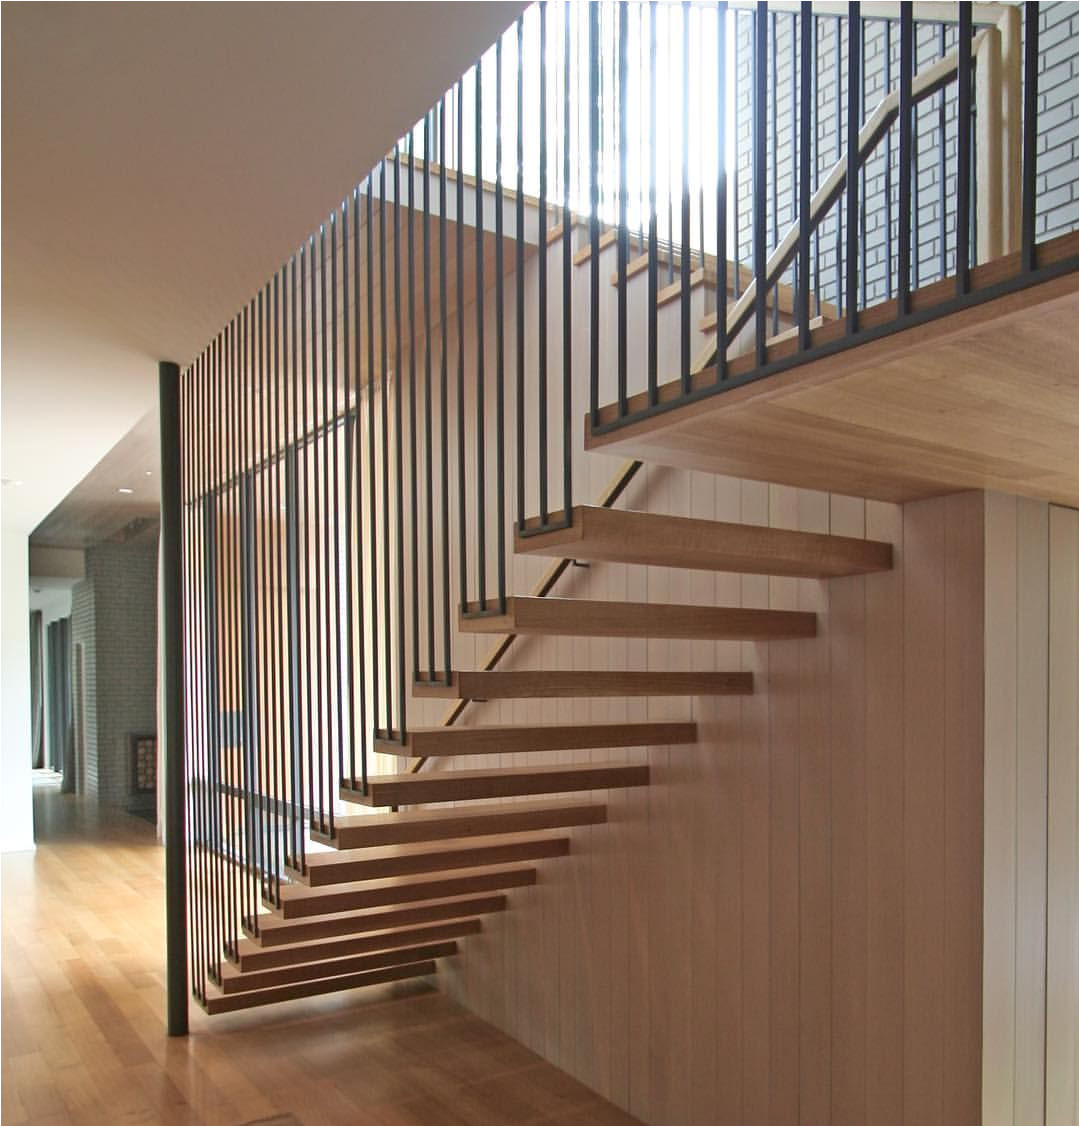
[(160, 161)]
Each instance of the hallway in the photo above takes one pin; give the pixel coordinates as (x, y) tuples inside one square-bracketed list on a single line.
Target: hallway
[(83, 1003)]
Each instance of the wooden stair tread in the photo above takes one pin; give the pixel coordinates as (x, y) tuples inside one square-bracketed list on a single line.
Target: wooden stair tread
[(218, 1002), (591, 618), (358, 831), (528, 683), (250, 956), (235, 981), (403, 860), (495, 739), (275, 932), (452, 786), (625, 536), (298, 902)]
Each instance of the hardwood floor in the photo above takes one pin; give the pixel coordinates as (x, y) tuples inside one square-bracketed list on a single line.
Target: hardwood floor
[(83, 1029)]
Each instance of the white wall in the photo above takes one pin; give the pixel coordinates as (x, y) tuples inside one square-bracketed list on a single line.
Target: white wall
[(16, 810)]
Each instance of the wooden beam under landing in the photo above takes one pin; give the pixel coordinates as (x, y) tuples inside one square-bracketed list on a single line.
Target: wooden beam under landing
[(982, 398)]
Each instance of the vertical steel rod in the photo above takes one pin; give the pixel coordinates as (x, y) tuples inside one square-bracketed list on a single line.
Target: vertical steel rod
[(173, 650)]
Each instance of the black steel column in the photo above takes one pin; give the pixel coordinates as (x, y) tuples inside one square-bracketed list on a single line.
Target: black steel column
[(172, 701)]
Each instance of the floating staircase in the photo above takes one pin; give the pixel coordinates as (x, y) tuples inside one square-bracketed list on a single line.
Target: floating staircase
[(399, 890)]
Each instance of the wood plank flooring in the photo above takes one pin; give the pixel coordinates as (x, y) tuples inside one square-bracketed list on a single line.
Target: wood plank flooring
[(83, 1026)]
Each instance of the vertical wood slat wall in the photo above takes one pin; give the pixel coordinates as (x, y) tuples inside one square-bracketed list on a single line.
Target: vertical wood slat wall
[(787, 925), (1030, 980)]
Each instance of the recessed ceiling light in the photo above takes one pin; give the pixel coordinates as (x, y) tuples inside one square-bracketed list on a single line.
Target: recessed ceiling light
[(149, 473), (124, 489)]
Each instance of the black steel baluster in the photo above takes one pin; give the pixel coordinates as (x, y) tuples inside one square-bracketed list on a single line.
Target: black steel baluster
[(622, 247), (444, 397), (429, 466), (230, 526), (887, 63), (222, 669), (519, 280), (721, 192), (399, 456), (372, 514), (384, 421), (277, 505), (363, 731), (963, 153), (838, 129), (541, 243), (702, 142), (239, 738), (459, 232), (480, 437), (333, 493), (761, 93), (802, 317), (904, 233), (567, 311), (916, 214), (318, 445), (594, 226), (796, 156), (684, 260), (264, 465), (414, 471), (816, 147), (500, 343), (774, 145), (246, 592), (296, 707), (304, 447), (653, 283), (862, 196), (196, 782), (347, 766), (1030, 141), (260, 470), (853, 121), (942, 118)]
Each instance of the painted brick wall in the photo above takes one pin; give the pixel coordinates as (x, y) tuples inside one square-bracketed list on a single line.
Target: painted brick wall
[(1058, 207), (114, 616)]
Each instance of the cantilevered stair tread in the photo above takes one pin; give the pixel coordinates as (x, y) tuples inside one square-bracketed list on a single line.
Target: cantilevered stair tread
[(236, 981), (274, 932), (298, 902), (623, 536), (218, 1002), (360, 831), (589, 618), (251, 957), (484, 739), (530, 683), (324, 869), (454, 786)]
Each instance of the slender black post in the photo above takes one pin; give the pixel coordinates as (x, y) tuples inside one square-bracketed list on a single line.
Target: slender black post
[(761, 93), (172, 699), (963, 152), (1030, 138), (904, 232), (802, 316), (854, 120)]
